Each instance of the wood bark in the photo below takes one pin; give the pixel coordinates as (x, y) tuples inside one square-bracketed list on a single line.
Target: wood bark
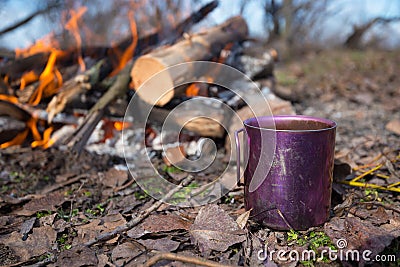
[(201, 46), (14, 69)]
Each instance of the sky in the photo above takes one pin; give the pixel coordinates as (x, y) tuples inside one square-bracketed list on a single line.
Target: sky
[(340, 25)]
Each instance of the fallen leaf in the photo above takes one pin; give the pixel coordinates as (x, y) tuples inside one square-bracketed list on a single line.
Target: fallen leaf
[(157, 223), (97, 226), (46, 203), (393, 126), (7, 255), (124, 253), (161, 244), (214, 229), (243, 218), (77, 256), (103, 260), (48, 220), (114, 178), (341, 170), (359, 234), (126, 204), (37, 243), (27, 226), (9, 224)]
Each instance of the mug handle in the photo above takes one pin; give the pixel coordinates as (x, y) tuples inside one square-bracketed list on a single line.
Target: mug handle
[(237, 141)]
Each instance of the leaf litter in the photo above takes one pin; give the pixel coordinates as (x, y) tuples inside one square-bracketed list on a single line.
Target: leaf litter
[(57, 202)]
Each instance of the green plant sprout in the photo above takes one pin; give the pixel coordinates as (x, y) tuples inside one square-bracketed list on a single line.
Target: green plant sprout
[(313, 240)]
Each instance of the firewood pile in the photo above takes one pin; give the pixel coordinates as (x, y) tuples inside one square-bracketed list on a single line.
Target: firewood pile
[(77, 98)]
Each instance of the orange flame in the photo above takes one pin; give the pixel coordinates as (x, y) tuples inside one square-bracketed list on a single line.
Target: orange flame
[(192, 90), (129, 52), (45, 44), (72, 26), (50, 80), (27, 78), (45, 142), (9, 98), (195, 88), (20, 138)]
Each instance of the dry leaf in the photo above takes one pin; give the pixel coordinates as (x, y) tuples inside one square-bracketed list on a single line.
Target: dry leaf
[(46, 203), (393, 126), (161, 244), (359, 234), (214, 229), (27, 226), (114, 178), (37, 243), (97, 226), (77, 256), (243, 218), (125, 252), (157, 223)]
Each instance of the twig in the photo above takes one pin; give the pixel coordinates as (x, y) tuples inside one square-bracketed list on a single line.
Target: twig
[(187, 259), (368, 185), (79, 138), (109, 235), (366, 173), (28, 18), (284, 219), (122, 187)]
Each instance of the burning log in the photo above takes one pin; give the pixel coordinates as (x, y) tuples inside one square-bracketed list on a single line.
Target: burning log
[(72, 89), (79, 138), (12, 120), (203, 46)]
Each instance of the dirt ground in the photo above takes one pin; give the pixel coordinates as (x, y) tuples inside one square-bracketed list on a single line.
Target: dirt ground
[(53, 202)]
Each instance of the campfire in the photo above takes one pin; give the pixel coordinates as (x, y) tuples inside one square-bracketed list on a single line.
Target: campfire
[(53, 95)]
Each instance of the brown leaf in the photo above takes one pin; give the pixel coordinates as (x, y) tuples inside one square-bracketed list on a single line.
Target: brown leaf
[(243, 218), (37, 243), (214, 229), (97, 226), (7, 255), (77, 256), (341, 170), (27, 226), (157, 223), (103, 260), (359, 234), (162, 244), (393, 126), (114, 178), (125, 252), (46, 203)]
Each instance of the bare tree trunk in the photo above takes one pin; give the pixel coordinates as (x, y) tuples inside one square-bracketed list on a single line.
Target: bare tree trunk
[(355, 38), (288, 13)]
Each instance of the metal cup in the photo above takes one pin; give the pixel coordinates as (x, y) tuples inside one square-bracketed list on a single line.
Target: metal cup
[(294, 183)]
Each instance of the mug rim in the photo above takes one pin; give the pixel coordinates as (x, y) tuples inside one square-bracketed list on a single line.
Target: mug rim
[(330, 123)]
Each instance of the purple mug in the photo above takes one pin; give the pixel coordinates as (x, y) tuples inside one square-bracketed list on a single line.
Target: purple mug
[(288, 171)]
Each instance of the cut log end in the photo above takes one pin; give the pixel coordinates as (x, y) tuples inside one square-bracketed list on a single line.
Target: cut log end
[(144, 68), (202, 46)]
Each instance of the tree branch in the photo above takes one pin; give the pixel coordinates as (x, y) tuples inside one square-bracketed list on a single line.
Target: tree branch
[(183, 258), (28, 18), (135, 221)]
